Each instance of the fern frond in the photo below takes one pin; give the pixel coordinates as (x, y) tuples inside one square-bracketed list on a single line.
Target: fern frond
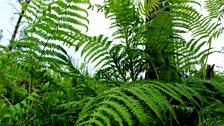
[(124, 15), (150, 7), (201, 27), (215, 8), (139, 99), (51, 25), (214, 114), (190, 53)]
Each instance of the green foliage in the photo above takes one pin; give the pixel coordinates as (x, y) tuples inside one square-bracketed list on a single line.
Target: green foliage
[(155, 46), (214, 114), (51, 25), (95, 48), (189, 53), (212, 92), (40, 85), (215, 8), (137, 103)]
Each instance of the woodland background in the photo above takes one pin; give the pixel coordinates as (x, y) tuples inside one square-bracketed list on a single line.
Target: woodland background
[(145, 73)]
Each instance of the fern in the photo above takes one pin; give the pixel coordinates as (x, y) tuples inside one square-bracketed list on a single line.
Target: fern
[(214, 114), (202, 28), (166, 49), (215, 8), (113, 55), (52, 24), (212, 92), (185, 19), (134, 104), (95, 48), (190, 53)]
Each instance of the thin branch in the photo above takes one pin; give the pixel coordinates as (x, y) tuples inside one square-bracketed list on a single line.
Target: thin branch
[(17, 27), (6, 99)]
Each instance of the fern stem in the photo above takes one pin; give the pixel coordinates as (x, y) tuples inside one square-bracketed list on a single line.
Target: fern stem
[(42, 52), (115, 82), (119, 69), (157, 76), (132, 71), (199, 118), (171, 121), (6, 100)]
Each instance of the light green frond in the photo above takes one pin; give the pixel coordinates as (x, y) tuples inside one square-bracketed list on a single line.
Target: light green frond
[(133, 100), (51, 25), (215, 8), (191, 53), (96, 48)]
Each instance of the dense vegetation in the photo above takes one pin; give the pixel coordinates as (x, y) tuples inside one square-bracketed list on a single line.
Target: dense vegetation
[(144, 74)]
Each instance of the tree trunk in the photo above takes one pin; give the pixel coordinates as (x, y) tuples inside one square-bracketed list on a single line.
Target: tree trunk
[(155, 65)]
